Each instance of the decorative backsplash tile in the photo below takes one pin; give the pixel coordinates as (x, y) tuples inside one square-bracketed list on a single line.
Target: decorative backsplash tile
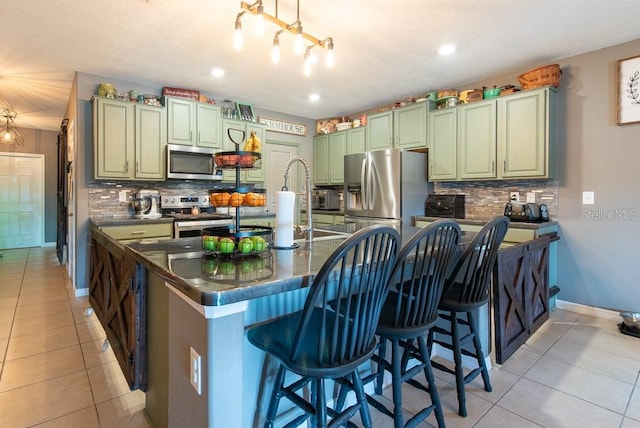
[(486, 199), (104, 195)]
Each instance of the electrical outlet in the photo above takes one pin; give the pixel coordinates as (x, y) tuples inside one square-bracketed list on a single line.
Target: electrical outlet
[(122, 196), (531, 197), (514, 196), (588, 198), (196, 371)]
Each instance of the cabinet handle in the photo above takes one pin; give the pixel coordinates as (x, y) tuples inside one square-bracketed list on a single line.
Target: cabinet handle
[(137, 166), (504, 165), (493, 165), (198, 137), (126, 166), (141, 232), (190, 135)]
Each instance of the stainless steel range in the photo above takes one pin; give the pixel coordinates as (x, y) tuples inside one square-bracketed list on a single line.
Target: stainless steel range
[(191, 214)]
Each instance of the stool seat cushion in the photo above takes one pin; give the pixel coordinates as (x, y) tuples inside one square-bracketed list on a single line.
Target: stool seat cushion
[(277, 338)]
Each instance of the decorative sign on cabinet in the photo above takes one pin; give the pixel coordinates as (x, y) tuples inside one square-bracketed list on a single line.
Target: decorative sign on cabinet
[(513, 136), (129, 140)]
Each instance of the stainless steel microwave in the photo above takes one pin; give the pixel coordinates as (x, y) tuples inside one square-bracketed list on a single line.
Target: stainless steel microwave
[(191, 163)]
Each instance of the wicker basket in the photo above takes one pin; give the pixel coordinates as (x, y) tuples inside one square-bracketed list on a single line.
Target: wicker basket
[(542, 76)]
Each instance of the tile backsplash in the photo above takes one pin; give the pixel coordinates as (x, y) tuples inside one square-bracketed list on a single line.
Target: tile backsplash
[(486, 199), (104, 195)]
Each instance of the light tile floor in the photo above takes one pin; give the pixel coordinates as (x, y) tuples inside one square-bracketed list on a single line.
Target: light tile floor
[(576, 371)]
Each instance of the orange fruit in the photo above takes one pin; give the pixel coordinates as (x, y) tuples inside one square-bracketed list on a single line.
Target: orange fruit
[(222, 199), (252, 199), (236, 199), (262, 200)]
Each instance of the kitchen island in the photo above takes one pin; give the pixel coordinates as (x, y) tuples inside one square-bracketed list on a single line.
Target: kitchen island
[(191, 314)]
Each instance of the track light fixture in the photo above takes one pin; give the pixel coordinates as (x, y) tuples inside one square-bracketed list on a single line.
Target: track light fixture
[(294, 28)]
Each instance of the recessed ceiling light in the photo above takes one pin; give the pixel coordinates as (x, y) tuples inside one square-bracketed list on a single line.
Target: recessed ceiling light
[(314, 97), (447, 49), (217, 72)]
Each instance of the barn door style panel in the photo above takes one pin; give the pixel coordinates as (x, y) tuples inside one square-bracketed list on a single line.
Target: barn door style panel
[(117, 296), (520, 294)]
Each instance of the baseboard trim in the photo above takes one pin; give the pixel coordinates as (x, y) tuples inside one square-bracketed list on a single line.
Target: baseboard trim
[(81, 292), (588, 310)]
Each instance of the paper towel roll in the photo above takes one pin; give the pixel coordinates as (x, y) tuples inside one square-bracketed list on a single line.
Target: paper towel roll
[(285, 202)]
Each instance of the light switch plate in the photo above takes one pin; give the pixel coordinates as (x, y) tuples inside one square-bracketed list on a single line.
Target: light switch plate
[(588, 198), (531, 197), (122, 196)]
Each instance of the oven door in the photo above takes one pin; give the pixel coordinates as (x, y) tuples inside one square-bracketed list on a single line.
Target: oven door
[(189, 228)]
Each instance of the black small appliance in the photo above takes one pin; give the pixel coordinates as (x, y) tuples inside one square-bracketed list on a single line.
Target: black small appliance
[(529, 212), (448, 206)]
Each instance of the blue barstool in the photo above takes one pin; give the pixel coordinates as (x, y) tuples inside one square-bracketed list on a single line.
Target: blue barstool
[(335, 331), (409, 312), (466, 290)]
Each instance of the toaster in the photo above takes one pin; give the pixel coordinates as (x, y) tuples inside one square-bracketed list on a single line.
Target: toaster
[(530, 212)]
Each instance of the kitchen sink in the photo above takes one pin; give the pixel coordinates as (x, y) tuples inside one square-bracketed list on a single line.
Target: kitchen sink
[(319, 235)]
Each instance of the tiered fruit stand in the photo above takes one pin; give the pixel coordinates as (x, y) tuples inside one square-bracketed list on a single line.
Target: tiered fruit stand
[(237, 241)]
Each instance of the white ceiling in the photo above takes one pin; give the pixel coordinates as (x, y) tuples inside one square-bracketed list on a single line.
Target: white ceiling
[(385, 51)]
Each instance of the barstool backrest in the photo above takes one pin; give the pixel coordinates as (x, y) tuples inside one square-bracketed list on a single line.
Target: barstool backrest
[(469, 280), (340, 315), (419, 275)]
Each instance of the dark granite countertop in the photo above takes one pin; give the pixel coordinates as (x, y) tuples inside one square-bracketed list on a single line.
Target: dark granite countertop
[(482, 222), (212, 281)]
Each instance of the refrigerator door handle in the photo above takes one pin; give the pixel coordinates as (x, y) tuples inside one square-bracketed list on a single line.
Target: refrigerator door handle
[(371, 184), (363, 185)]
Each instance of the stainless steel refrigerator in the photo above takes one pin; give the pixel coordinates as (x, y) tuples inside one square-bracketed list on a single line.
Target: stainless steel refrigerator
[(388, 186)]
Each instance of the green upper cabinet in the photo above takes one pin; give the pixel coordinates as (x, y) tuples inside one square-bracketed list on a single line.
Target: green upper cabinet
[(380, 131), (404, 127), (321, 159), (192, 123), (527, 134), (181, 120), (356, 141), (328, 158), (208, 125), (442, 144), (510, 137), (129, 140), (337, 150), (477, 140), (236, 128), (410, 126), (151, 140)]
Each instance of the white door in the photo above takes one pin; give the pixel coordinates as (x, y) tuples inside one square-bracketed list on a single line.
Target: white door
[(276, 157), (21, 200)]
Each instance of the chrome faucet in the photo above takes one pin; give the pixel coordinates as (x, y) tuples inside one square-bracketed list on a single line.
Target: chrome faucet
[(307, 170)]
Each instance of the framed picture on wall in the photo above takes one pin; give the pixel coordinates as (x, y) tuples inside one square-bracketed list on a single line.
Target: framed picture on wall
[(629, 90), (245, 111)]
